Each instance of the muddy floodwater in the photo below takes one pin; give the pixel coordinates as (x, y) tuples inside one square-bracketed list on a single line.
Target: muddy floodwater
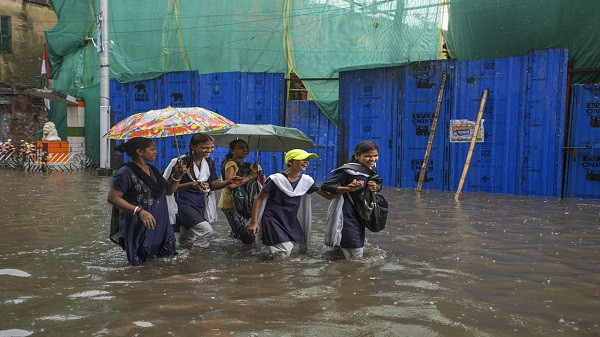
[(489, 265)]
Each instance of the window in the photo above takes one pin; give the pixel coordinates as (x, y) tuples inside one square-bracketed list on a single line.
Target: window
[(296, 89), (5, 35)]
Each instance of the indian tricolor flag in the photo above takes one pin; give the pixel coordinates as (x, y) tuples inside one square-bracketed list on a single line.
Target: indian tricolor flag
[(46, 76)]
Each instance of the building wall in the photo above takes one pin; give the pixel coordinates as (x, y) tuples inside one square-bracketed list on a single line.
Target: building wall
[(22, 117), (29, 20)]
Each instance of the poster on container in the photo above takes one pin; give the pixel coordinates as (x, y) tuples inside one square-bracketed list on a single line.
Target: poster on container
[(462, 130)]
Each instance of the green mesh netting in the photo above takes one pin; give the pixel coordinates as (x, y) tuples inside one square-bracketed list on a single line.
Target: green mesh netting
[(325, 37), (500, 28), (313, 38)]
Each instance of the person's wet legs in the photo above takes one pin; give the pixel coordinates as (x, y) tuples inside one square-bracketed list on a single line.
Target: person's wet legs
[(281, 250), (353, 253), (198, 235)]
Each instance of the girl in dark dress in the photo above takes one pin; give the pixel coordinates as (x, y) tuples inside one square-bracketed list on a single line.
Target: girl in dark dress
[(193, 197), (343, 227), (140, 223), (233, 165), (286, 193)]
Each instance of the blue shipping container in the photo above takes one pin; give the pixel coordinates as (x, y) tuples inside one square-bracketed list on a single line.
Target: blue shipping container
[(494, 161), (263, 102), (419, 92), (541, 132), (524, 121), (368, 111), (219, 92), (306, 116), (583, 147)]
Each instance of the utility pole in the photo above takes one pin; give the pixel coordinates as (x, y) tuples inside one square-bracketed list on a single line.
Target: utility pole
[(104, 90)]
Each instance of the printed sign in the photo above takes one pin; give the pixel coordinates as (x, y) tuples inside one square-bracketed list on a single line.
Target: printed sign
[(461, 131)]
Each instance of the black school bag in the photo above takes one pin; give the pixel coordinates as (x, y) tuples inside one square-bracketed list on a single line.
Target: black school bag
[(372, 208), (243, 196)]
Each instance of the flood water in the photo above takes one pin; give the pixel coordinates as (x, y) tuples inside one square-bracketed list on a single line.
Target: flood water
[(489, 265)]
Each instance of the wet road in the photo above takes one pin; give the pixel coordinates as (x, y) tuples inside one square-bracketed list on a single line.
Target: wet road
[(489, 265)]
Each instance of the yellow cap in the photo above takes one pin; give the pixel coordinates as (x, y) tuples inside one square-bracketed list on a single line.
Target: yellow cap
[(298, 154)]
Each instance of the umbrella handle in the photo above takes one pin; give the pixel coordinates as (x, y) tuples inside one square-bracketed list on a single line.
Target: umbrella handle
[(179, 156), (177, 146)]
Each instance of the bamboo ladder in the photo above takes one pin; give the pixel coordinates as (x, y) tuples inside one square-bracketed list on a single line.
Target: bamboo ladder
[(432, 133), (472, 146)]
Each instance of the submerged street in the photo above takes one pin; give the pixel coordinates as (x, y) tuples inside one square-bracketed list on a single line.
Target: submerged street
[(488, 265)]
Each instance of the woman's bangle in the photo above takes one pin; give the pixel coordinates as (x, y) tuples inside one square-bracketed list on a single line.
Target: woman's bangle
[(173, 178), (138, 210), (135, 209)]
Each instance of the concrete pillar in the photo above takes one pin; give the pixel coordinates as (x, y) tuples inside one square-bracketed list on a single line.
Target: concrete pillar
[(76, 128)]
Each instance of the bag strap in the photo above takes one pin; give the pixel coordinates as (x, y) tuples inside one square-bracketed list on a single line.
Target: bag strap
[(357, 167), (364, 170)]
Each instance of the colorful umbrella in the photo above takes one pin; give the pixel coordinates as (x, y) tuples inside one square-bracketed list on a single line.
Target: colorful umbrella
[(168, 122), (264, 137)]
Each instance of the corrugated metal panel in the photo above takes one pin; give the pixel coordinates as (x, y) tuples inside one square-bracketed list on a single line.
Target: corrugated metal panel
[(261, 102), (494, 163), (419, 93), (242, 97), (542, 133), (524, 122), (261, 99), (119, 106), (583, 159), (177, 89), (219, 92), (118, 100), (142, 96), (368, 111), (306, 116)]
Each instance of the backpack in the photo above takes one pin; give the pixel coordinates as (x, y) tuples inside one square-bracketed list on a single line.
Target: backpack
[(372, 208), (243, 196)]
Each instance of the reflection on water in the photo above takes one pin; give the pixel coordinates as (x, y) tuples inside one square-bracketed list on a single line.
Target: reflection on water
[(489, 265)]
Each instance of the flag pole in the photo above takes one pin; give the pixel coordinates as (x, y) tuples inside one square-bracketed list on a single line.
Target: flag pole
[(46, 76)]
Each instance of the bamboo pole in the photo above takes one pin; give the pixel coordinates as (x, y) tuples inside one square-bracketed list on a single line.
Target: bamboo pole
[(432, 133), (472, 146)]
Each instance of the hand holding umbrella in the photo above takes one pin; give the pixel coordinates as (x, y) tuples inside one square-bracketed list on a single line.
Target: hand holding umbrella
[(180, 168)]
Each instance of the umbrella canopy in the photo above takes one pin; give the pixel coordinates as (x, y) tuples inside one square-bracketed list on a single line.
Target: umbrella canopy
[(264, 137), (168, 122)]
